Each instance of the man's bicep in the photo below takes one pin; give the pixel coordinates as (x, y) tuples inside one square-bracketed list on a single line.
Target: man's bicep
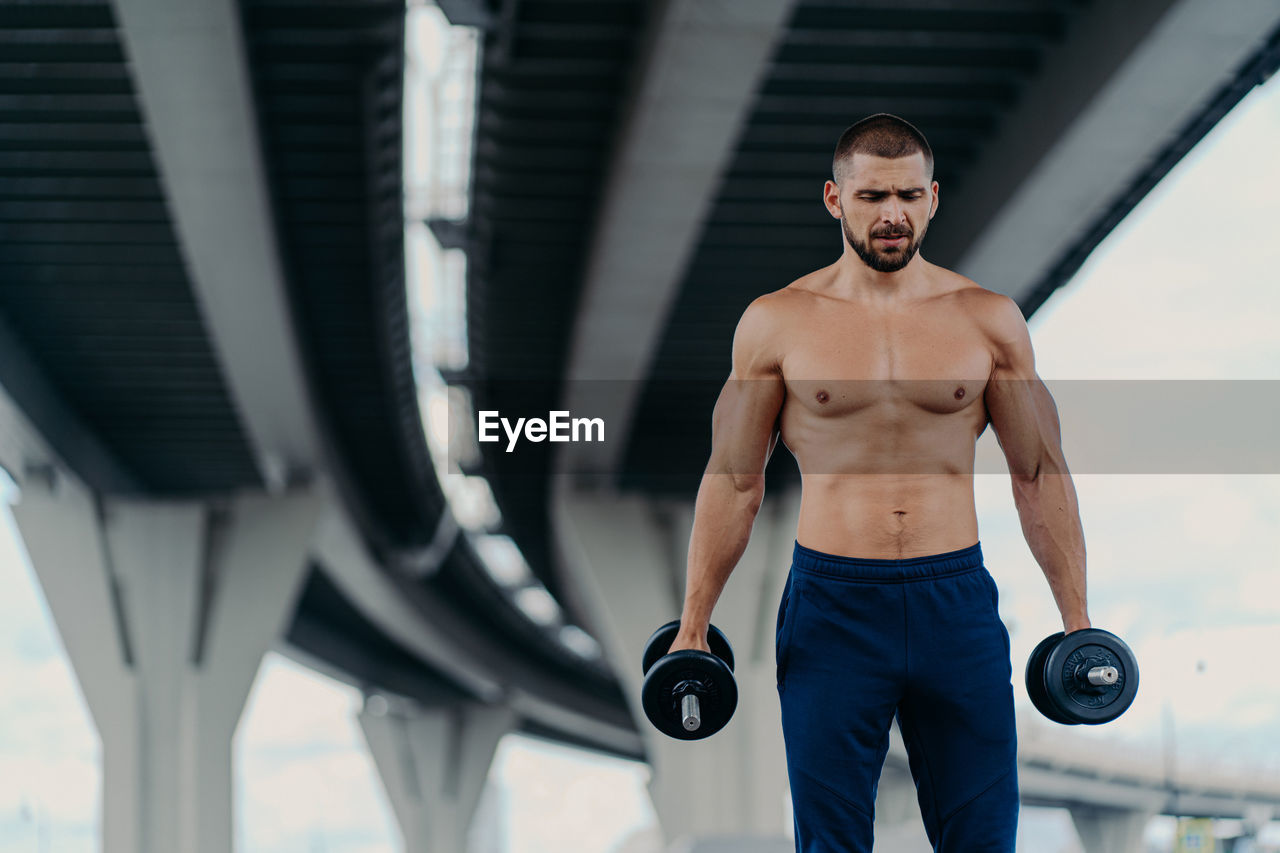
[(743, 426), (745, 420), (1022, 411), (1025, 420)]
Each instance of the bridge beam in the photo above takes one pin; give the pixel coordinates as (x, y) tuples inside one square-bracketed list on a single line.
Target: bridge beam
[(166, 610), (1120, 88), (433, 763), (438, 635), (1104, 830), (701, 67), (190, 67)]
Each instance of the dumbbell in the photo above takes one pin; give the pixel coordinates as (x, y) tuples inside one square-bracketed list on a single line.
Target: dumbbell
[(1088, 677), (689, 694)]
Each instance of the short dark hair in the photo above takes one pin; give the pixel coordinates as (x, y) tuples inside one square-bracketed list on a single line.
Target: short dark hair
[(880, 135)]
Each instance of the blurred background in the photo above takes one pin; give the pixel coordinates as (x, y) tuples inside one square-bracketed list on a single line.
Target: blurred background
[(262, 262)]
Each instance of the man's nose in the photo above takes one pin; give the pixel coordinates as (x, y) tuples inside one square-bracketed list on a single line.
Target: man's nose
[(893, 213)]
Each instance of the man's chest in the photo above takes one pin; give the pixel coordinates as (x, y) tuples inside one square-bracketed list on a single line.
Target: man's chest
[(939, 360), (901, 346)]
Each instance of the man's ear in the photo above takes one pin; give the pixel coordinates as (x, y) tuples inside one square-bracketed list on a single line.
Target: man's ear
[(831, 199), (934, 207)]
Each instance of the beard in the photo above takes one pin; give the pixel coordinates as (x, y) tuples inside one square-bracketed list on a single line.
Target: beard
[(891, 259)]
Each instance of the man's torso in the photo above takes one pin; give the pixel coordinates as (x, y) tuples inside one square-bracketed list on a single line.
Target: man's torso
[(883, 407)]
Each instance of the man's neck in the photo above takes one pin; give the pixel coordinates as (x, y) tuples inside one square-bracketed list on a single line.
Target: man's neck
[(854, 280)]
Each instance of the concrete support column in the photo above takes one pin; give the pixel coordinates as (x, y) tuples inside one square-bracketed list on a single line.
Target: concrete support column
[(166, 610), (628, 559), (433, 763), (728, 791), (1104, 830)]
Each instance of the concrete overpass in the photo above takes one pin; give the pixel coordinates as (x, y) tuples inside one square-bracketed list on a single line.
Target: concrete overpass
[(209, 395)]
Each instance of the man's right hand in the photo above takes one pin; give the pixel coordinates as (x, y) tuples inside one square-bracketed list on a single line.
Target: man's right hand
[(685, 640)]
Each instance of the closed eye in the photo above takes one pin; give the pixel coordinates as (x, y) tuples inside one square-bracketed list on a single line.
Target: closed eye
[(907, 195)]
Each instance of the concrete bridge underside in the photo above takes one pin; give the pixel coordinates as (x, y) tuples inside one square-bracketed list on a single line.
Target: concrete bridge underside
[(209, 400)]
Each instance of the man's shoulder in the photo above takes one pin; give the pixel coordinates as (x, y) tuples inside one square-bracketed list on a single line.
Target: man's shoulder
[(774, 306), (763, 317), (997, 317), (766, 324), (991, 310)]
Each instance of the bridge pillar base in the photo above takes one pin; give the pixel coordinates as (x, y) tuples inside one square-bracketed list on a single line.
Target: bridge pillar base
[(732, 784), (433, 763), (627, 555), (1103, 830), (166, 610)]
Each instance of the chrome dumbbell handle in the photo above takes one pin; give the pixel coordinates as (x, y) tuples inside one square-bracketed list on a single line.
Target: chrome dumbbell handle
[(1103, 675), (690, 713)]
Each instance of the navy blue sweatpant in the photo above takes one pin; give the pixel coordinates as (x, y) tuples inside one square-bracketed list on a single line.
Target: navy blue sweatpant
[(860, 640)]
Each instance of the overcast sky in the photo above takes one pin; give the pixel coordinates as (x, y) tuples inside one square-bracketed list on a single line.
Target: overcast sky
[(1185, 567)]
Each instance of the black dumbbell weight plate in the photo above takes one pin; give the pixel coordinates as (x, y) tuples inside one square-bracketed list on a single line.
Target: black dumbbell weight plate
[(703, 674), (1035, 678), (661, 640), (1069, 691)]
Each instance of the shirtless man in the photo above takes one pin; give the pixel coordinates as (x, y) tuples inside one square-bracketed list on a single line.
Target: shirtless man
[(879, 372)]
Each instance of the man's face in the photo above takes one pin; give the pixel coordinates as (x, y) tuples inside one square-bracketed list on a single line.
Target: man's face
[(884, 207)]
